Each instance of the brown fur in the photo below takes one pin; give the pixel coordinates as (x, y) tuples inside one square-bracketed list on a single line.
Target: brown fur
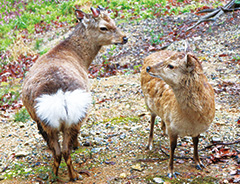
[(183, 98), (65, 67)]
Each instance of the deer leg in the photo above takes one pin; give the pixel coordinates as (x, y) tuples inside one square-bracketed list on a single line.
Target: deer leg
[(42, 132), (76, 144), (51, 137), (173, 144), (163, 127), (196, 158), (69, 136), (150, 140)]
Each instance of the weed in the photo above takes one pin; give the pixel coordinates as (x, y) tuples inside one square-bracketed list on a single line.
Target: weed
[(122, 120), (22, 115), (196, 180)]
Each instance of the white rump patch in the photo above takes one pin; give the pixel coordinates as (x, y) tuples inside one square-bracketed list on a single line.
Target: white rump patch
[(70, 107)]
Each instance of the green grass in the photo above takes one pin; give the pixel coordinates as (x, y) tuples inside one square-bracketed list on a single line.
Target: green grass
[(122, 120), (17, 17), (195, 180), (22, 115), (9, 92)]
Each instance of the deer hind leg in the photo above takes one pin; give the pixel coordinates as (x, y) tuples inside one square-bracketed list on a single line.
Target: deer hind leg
[(76, 143), (163, 126), (173, 144), (196, 158), (150, 140), (69, 136), (51, 137)]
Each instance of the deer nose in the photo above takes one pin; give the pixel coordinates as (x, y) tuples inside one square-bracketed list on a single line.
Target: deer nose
[(148, 68), (125, 39)]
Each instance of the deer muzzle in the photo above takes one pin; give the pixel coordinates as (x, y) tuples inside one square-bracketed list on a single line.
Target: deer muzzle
[(125, 40)]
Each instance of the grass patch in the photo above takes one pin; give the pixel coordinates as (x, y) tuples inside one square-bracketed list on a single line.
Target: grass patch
[(9, 92), (121, 120), (196, 180), (22, 115)]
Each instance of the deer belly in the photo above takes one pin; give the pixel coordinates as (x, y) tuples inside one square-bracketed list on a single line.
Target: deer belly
[(189, 128)]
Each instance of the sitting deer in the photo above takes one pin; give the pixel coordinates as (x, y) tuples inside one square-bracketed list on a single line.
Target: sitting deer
[(176, 89), (56, 89)]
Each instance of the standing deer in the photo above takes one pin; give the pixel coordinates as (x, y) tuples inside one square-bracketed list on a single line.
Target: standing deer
[(56, 90), (176, 89)]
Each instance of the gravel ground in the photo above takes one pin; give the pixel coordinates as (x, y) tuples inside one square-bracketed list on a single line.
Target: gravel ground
[(116, 133)]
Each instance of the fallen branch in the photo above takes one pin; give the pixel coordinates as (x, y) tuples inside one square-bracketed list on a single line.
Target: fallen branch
[(220, 143), (216, 13)]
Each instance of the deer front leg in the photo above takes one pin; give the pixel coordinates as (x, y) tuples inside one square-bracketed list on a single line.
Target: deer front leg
[(196, 158), (173, 144), (150, 140)]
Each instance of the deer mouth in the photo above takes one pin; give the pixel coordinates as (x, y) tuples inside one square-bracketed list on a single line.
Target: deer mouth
[(124, 41), (152, 74)]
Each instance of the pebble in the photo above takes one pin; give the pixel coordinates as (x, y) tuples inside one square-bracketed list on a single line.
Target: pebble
[(122, 136), (137, 167), (158, 180), (216, 139), (22, 154), (123, 175)]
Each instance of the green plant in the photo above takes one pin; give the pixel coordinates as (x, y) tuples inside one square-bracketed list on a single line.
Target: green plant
[(22, 115), (156, 38)]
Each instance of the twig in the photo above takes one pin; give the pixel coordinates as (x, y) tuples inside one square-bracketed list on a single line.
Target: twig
[(10, 159), (220, 143), (174, 156)]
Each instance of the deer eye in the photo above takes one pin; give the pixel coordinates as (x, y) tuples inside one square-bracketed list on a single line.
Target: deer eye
[(103, 29), (170, 66)]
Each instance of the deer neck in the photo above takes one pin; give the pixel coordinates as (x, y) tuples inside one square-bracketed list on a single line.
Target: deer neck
[(189, 94), (83, 44)]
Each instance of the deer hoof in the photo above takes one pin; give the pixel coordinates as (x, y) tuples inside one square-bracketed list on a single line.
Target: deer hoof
[(149, 147), (171, 175), (77, 177), (200, 166)]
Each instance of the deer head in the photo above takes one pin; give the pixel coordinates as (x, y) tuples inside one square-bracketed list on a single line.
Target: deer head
[(101, 26), (174, 66)]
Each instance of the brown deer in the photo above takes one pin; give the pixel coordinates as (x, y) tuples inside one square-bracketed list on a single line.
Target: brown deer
[(176, 89), (56, 90)]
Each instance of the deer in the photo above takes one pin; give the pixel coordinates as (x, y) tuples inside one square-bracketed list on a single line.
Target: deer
[(176, 89), (56, 91)]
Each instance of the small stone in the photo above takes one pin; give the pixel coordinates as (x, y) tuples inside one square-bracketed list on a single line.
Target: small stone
[(21, 125), (158, 180), (21, 154), (43, 176), (216, 139), (122, 136), (137, 167), (96, 150), (167, 182), (123, 175)]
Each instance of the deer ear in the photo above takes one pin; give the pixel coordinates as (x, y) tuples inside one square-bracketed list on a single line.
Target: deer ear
[(187, 47), (95, 12), (79, 14), (190, 63)]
